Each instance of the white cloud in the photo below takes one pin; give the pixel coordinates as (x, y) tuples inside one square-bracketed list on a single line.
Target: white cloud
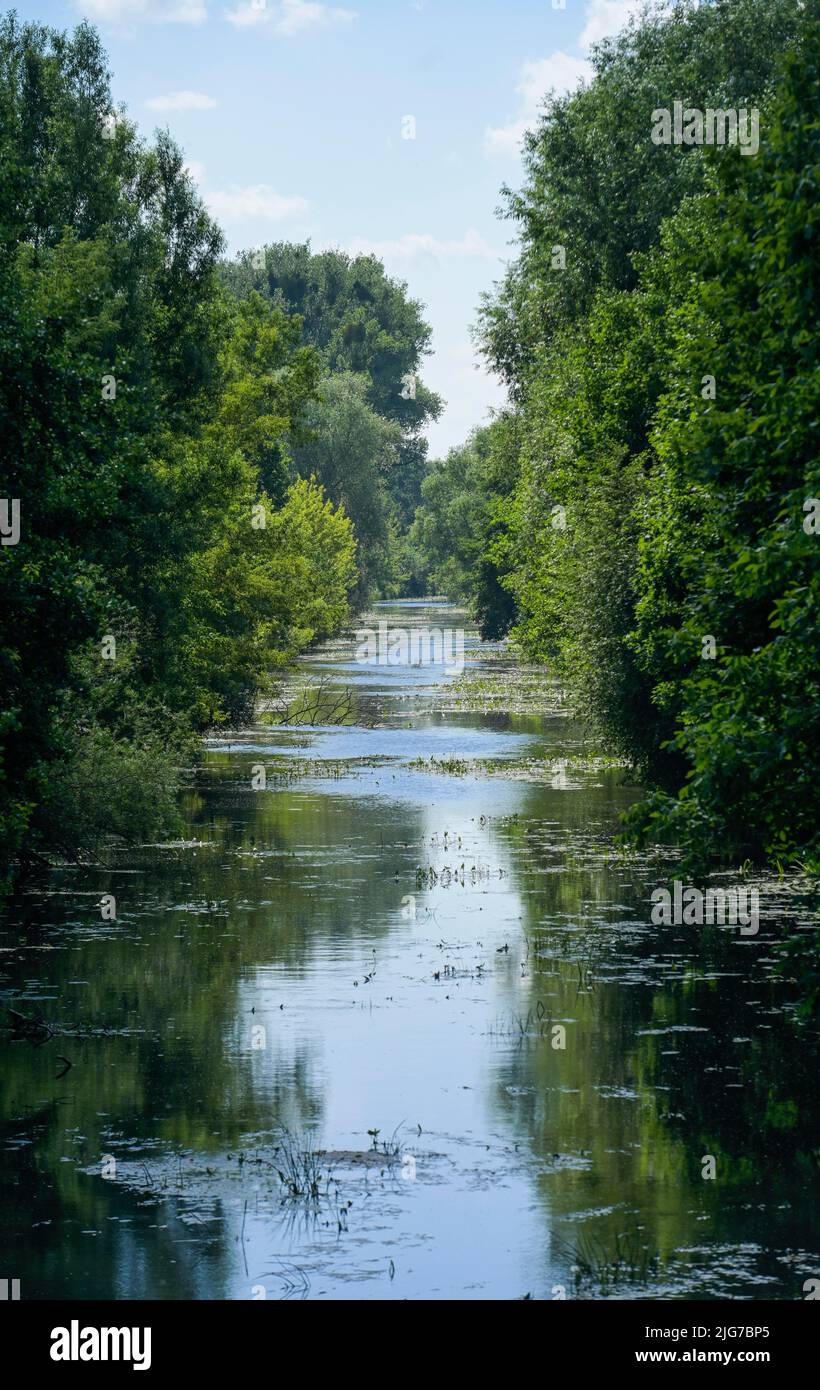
[(606, 17), (196, 170), (414, 246), (300, 14), (559, 73), (241, 203), (181, 101), (153, 11), (289, 16), (238, 203)]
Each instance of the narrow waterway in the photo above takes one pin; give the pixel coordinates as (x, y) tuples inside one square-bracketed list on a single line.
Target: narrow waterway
[(396, 1024)]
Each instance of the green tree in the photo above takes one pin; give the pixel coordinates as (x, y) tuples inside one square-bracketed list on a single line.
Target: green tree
[(730, 575), (362, 322), (596, 187), (145, 417), (464, 500), (352, 452)]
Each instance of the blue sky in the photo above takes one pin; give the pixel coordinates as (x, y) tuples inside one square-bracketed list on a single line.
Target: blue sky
[(291, 114)]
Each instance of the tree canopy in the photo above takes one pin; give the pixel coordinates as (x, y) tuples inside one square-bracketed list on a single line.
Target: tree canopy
[(168, 559)]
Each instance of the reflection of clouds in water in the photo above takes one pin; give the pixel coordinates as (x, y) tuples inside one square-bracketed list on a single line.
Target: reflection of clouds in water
[(294, 896)]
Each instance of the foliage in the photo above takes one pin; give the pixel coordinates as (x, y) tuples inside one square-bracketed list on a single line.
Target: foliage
[(464, 498), (640, 515), (741, 561), (353, 452), (596, 185), (372, 336), (145, 417)]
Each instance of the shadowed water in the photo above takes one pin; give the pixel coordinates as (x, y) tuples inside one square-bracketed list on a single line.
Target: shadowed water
[(414, 965)]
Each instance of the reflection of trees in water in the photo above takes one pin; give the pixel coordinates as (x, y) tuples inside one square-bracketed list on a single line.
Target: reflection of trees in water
[(162, 1049), (623, 1117), (207, 933), (75, 1235)]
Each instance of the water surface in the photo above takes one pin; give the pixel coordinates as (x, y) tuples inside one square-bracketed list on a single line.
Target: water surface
[(417, 955)]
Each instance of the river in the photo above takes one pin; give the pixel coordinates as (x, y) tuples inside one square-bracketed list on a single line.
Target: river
[(396, 1025)]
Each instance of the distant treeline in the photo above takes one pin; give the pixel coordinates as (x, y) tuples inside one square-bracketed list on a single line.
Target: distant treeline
[(364, 434), (205, 466), (644, 516)]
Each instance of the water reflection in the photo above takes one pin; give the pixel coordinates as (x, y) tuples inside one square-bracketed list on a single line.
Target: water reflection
[(409, 932)]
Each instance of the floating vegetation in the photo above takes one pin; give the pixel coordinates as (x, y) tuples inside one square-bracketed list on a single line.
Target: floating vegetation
[(508, 689), (555, 771), (452, 767), (430, 877), (284, 774), (536, 1023), (387, 1148), (300, 1169), (604, 1263)]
